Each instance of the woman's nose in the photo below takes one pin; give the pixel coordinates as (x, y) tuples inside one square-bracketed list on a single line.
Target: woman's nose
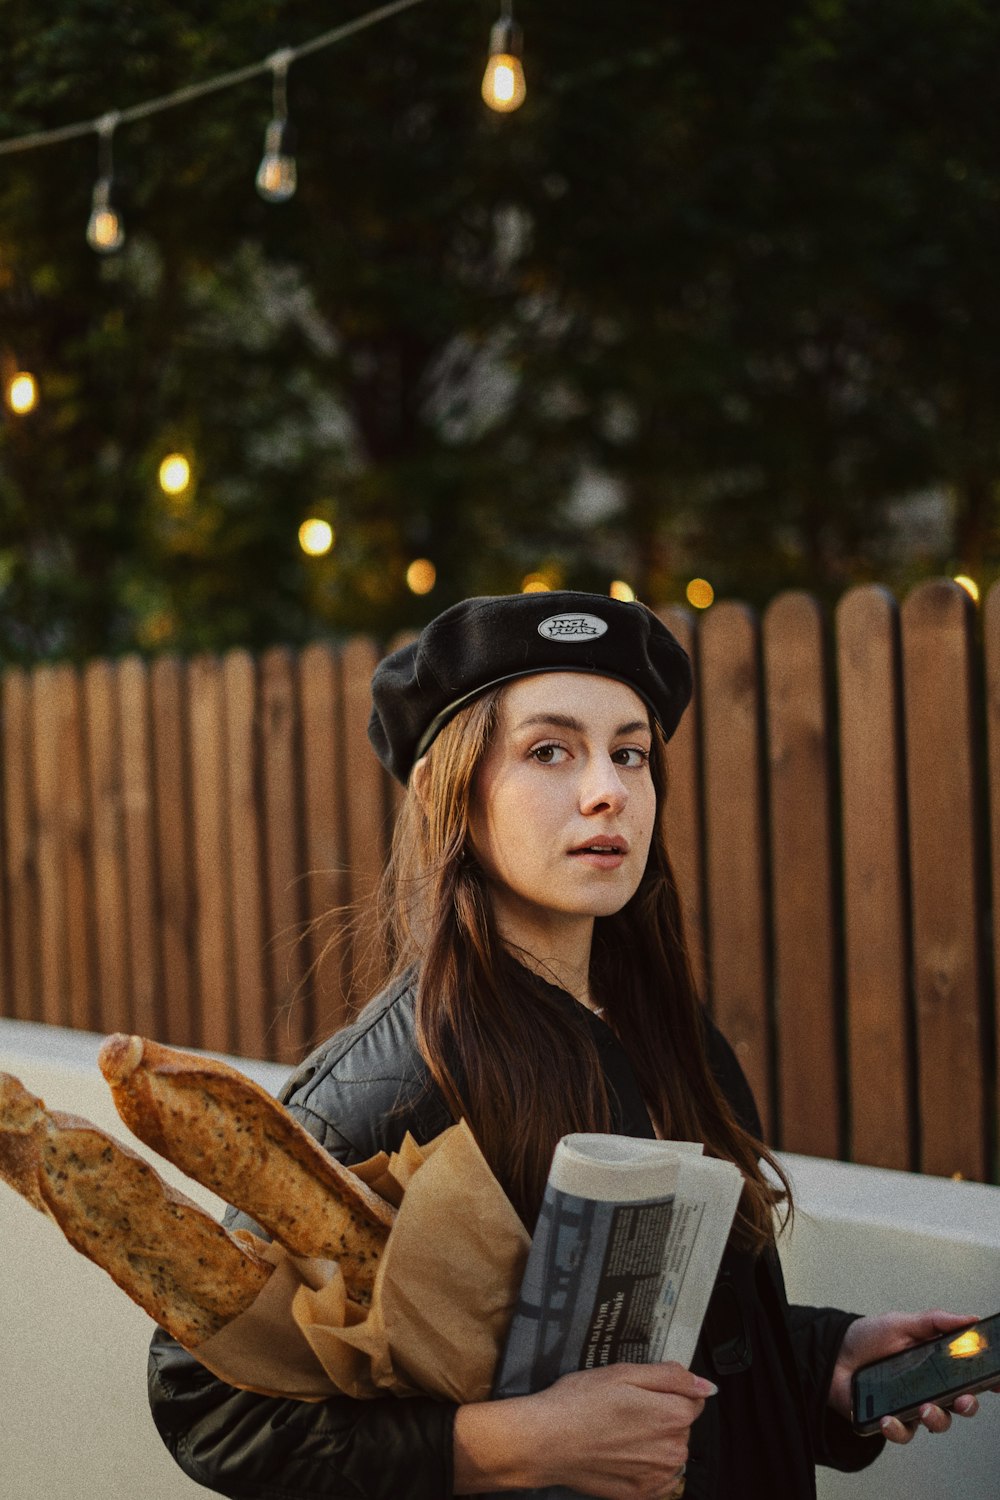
[(602, 787)]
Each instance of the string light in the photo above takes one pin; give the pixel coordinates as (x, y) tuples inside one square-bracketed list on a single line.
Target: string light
[(276, 175), (537, 583), (105, 232), (503, 89), (621, 590), (316, 537), (970, 585), (22, 392), (503, 82), (192, 91)]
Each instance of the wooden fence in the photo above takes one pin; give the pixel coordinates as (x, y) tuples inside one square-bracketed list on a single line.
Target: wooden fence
[(170, 832)]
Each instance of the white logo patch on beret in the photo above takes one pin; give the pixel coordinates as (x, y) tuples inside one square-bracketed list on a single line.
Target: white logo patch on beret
[(572, 627)]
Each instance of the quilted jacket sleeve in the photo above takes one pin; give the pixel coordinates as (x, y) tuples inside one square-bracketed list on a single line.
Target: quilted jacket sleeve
[(254, 1447)]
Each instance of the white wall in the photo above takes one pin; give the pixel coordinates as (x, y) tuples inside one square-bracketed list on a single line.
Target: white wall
[(74, 1424), (871, 1241)]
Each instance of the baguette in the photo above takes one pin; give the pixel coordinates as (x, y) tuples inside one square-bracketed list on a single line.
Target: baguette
[(230, 1135), (21, 1131), (184, 1269)]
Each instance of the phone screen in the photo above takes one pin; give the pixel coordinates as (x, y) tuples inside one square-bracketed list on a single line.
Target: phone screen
[(945, 1366)]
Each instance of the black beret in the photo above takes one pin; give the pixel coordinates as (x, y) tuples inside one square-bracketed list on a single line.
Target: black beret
[(483, 642)]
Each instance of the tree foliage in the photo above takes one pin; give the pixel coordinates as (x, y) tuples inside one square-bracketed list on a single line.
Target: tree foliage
[(715, 300)]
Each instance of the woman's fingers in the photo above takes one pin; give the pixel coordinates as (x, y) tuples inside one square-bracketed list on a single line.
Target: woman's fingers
[(620, 1432), (896, 1431), (669, 1378), (935, 1418)]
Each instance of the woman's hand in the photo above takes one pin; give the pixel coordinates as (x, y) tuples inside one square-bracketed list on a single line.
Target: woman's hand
[(873, 1338), (620, 1433)]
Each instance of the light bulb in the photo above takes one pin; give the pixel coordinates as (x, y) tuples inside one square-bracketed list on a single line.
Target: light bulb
[(276, 175), (174, 474), (503, 81), (105, 232), (316, 537), (22, 392)]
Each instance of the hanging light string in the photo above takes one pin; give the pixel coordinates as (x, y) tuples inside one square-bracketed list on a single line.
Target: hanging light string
[(277, 175), (503, 82), (104, 228), (278, 63), (210, 86)]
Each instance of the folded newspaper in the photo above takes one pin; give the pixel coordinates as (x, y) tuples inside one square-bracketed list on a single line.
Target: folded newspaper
[(622, 1263)]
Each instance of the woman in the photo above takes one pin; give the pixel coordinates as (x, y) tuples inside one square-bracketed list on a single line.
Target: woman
[(539, 986)]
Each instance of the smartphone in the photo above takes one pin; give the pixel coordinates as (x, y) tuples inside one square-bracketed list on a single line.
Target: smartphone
[(965, 1360)]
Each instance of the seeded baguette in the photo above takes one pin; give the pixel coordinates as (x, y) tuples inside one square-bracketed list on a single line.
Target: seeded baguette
[(230, 1135), (185, 1270), (21, 1131)]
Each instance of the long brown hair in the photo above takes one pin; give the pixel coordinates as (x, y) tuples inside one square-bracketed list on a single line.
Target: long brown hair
[(496, 1041)]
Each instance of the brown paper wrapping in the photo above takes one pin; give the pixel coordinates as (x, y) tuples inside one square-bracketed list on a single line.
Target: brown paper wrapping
[(443, 1296)]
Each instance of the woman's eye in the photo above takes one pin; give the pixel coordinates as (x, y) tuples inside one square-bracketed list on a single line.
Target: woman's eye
[(631, 756), (548, 755)]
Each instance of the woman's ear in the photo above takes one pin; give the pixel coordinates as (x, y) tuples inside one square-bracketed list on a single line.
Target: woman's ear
[(418, 781)]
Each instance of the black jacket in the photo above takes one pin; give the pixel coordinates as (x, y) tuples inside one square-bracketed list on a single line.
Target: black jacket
[(358, 1094)]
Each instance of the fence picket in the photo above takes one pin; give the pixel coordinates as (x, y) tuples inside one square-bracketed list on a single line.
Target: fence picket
[(252, 1010), (212, 855), (278, 729), (168, 688), (729, 687), (80, 1001), (51, 894), (876, 901), (991, 651), (107, 850), (945, 823), (682, 821), (6, 972), (325, 862), (364, 781), (140, 849), (23, 1000), (802, 876)]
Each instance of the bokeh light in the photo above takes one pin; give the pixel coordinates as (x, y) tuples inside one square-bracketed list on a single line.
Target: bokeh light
[(316, 537), (970, 585), (700, 593), (622, 590), (22, 392), (542, 582), (175, 474), (421, 576)]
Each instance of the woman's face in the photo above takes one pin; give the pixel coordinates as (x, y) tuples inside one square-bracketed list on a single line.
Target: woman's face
[(563, 803)]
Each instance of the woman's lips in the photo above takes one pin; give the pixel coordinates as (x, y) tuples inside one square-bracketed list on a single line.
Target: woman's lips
[(601, 854)]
